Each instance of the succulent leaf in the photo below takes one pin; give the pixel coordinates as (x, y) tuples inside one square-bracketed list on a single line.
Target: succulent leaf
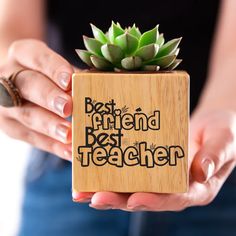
[(174, 64), (176, 52), (135, 31), (160, 41), (114, 31), (100, 63), (118, 24), (84, 56), (121, 49), (151, 68), (98, 34), (131, 63), (163, 62), (112, 53), (169, 47), (127, 42), (147, 52), (149, 37), (93, 45)]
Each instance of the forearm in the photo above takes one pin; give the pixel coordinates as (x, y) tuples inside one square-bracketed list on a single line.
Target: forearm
[(20, 19), (219, 92)]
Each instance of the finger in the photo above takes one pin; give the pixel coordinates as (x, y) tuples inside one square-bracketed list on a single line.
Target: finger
[(42, 121), (109, 200), (167, 202), (38, 89), (218, 148), (198, 195), (82, 197), (35, 55), (16, 130)]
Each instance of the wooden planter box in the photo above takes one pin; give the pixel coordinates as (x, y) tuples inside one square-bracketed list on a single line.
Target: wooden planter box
[(130, 132)]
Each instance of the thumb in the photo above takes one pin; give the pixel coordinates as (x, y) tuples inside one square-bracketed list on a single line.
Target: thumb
[(216, 150)]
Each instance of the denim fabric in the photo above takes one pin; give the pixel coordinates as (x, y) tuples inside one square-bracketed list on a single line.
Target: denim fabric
[(48, 209)]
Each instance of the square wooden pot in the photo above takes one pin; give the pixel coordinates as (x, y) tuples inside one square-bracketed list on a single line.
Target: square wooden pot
[(130, 132)]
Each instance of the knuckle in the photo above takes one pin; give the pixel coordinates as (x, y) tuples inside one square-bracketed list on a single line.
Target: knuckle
[(28, 136), (13, 48), (20, 134), (24, 85), (28, 83), (42, 60), (46, 128), (17, 44), (229, 134)]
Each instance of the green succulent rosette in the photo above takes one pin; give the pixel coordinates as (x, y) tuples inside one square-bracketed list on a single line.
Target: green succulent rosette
[(128, 49)]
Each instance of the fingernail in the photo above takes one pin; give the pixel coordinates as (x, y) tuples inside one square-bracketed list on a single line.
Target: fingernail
[(138, 208), (82, 200), (62, 132), (75, 195), (68, 155), (208, 167), (79, 197), (64, 79), (101, 207), (59, 105)]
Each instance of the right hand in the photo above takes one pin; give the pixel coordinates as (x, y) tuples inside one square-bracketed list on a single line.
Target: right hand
[(46, 89)]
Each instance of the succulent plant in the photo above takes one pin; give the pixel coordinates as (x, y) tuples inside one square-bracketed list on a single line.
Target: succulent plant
[(128, 49)]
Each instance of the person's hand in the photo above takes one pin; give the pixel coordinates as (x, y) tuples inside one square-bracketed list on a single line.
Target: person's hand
[(212, 158), (45, 87)]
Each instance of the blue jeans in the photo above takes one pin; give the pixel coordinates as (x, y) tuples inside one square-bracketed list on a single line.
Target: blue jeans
[(48, 209)]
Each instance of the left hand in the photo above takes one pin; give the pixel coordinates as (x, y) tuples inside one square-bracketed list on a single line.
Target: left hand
[(212, 158)]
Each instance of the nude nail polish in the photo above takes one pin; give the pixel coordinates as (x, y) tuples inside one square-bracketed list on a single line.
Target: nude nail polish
[(208, 168), (83, 200), (101, 207), (62, 132), (59, 105), (64, 79)]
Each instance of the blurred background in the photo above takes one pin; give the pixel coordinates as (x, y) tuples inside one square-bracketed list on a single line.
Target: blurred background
[(14, 155)]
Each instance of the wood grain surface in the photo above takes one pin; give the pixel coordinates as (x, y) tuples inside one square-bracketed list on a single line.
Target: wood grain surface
[(130, 132)]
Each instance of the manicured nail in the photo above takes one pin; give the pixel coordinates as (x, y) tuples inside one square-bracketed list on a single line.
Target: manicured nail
[(68, 155), (208, 168), (59, 105), (101, 207), (62, 132), (82, 200), (80, 197), (138, 208), (64, 79)]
